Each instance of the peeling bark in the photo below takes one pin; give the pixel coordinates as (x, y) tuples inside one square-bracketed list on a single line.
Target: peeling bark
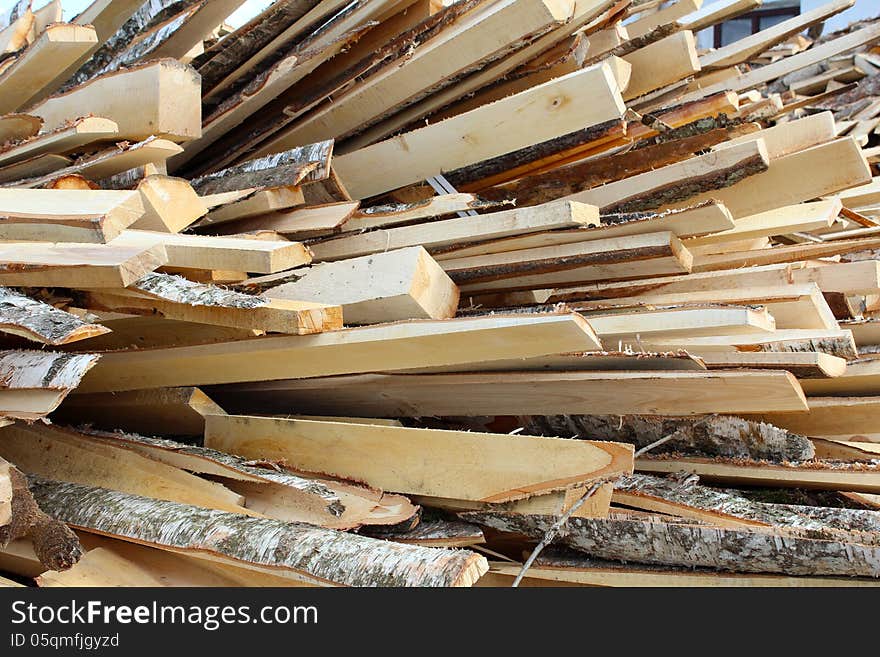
[(43, 370), (437, 532), (756, 550), (711, 435), (40, 322), (318, 555), (181, 290), (56, 546)]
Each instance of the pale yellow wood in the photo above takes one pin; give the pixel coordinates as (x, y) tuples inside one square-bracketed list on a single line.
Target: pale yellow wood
[(171, 204), (555, 108), (716, 12), (662, 63), (196, 28), (18, 127), (834, 342), (645, 23), (840, 416), (690, 322), (799, 363), (792, 136), (84, 131), (258, 203), (863, 195), (862, 378), (777, 254), (388, 216), (5, 493), (866, 332), (37, 166), (301, 223)]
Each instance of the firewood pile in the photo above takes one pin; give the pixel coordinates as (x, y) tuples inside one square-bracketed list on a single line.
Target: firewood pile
[(390, 293)]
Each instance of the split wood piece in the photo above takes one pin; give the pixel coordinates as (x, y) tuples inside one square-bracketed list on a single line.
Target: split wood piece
[(657, 253), (37, 264), (171, 204), (835, 343), (834, 448), (177, 298), (679, 393), (302, 164), (550, 110), (862, 378), (780, 254), (220, 253), (385, 287), (651, 20), (55, 546), (592, 172), (708, 217), (18, 127), (68, 455), (485, 34), (400, 214), (163, 411), (288, 548), (832, 416), (679, 182), (670, 322), (68, 138), (133, 332), (35, 383), (437, 533), (787, 138), (22, 82), (40, 165), (716, 12), (850, 278), (859, 477), (39, 322), (716, 435), (234, 207), (805, 365), (403, 345), (438, 234), (302, 223), (504, 467), (803, 217), (760, 75), (662, 63), (160, 99), (93, 216), (744, 49)]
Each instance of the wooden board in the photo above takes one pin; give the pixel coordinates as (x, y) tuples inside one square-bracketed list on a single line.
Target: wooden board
[(667, 323), (662, 63), (806, 365), (83, 131), (303, 223), (171, 204), (18, 127), (253, 205), (531, 393), (676, 11), (503, 467), (791, 137), (386, 216), (385, 287), (403, 345), (36, 382), (862, 378), (831, 416)]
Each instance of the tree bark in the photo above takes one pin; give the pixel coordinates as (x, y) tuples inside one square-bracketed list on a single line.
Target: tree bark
[(756, 550), (43, 370), (56, 546), (709, 435), (631, 45), (318, 555), (40, 322)]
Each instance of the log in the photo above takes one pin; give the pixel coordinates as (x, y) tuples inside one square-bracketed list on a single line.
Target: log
[(386, 287), (36, 382), (346, 559), (503, 467), (396, 346), (678, 544), (39, 322), (714, 435), (56, 547), (680, 393)]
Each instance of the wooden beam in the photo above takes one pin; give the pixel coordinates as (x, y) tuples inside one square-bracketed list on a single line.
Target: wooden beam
[(196, 29), (35, 382), (171, 204), (531, 393), (68, 138), (504, 467), (299, 224), (386, 287), (40, 322), (691, 322), (549, 110), (662, 63), (832, 416), (247, 211), (791, 137), (861, 378), (404, 345)]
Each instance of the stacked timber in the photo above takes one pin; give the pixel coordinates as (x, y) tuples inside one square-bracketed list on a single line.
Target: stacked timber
[(385, 293)]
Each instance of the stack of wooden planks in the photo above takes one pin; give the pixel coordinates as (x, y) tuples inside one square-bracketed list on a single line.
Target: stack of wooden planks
[(387, 293)]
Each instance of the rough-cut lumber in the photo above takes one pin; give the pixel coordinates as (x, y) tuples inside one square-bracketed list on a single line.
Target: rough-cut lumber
[(183, 300), (544, 112), (68, 138), (54, 545), (67, 455), (221, 253), (170, 204), (787, 138), (395, 346), (18, 127), (302, 223), (716, 12), (40, 165), (346, 559), (679, 182), (438, 234), (385, 287), (532, 393), (662, 63), (742, 549), (807, 365), (835, 343), (862, 378), (56, 265), (632, 327), (35, 383), (93, 216), (715, 435), (144, 332), (37, 321), (159, 99), (832, 416), (207, 16), (651, 20), (22, 82), (503, 467), (398, 214), (249, 210), (778, 254)]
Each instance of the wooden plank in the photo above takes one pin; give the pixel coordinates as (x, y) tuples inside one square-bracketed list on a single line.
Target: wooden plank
[(503, 467), (404, 345), (866, 331), (679, 393), (22, 82), (678, 10), (171, 204), (197, 28), (160, 99), (83, 131), (831, 416), (84, 216), (301, 223), (225, 253), (862, 378), (549, 110), (434, 235), (662, 63), (38, 166), (253, 204), (18, 127), (386, 287), (791, 253), (791, 137), (40, 322), (716, 12), (387, 216), (807, 365), (836, 343), (30, 264), (597, 361), (36, 382), (691, 322)]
